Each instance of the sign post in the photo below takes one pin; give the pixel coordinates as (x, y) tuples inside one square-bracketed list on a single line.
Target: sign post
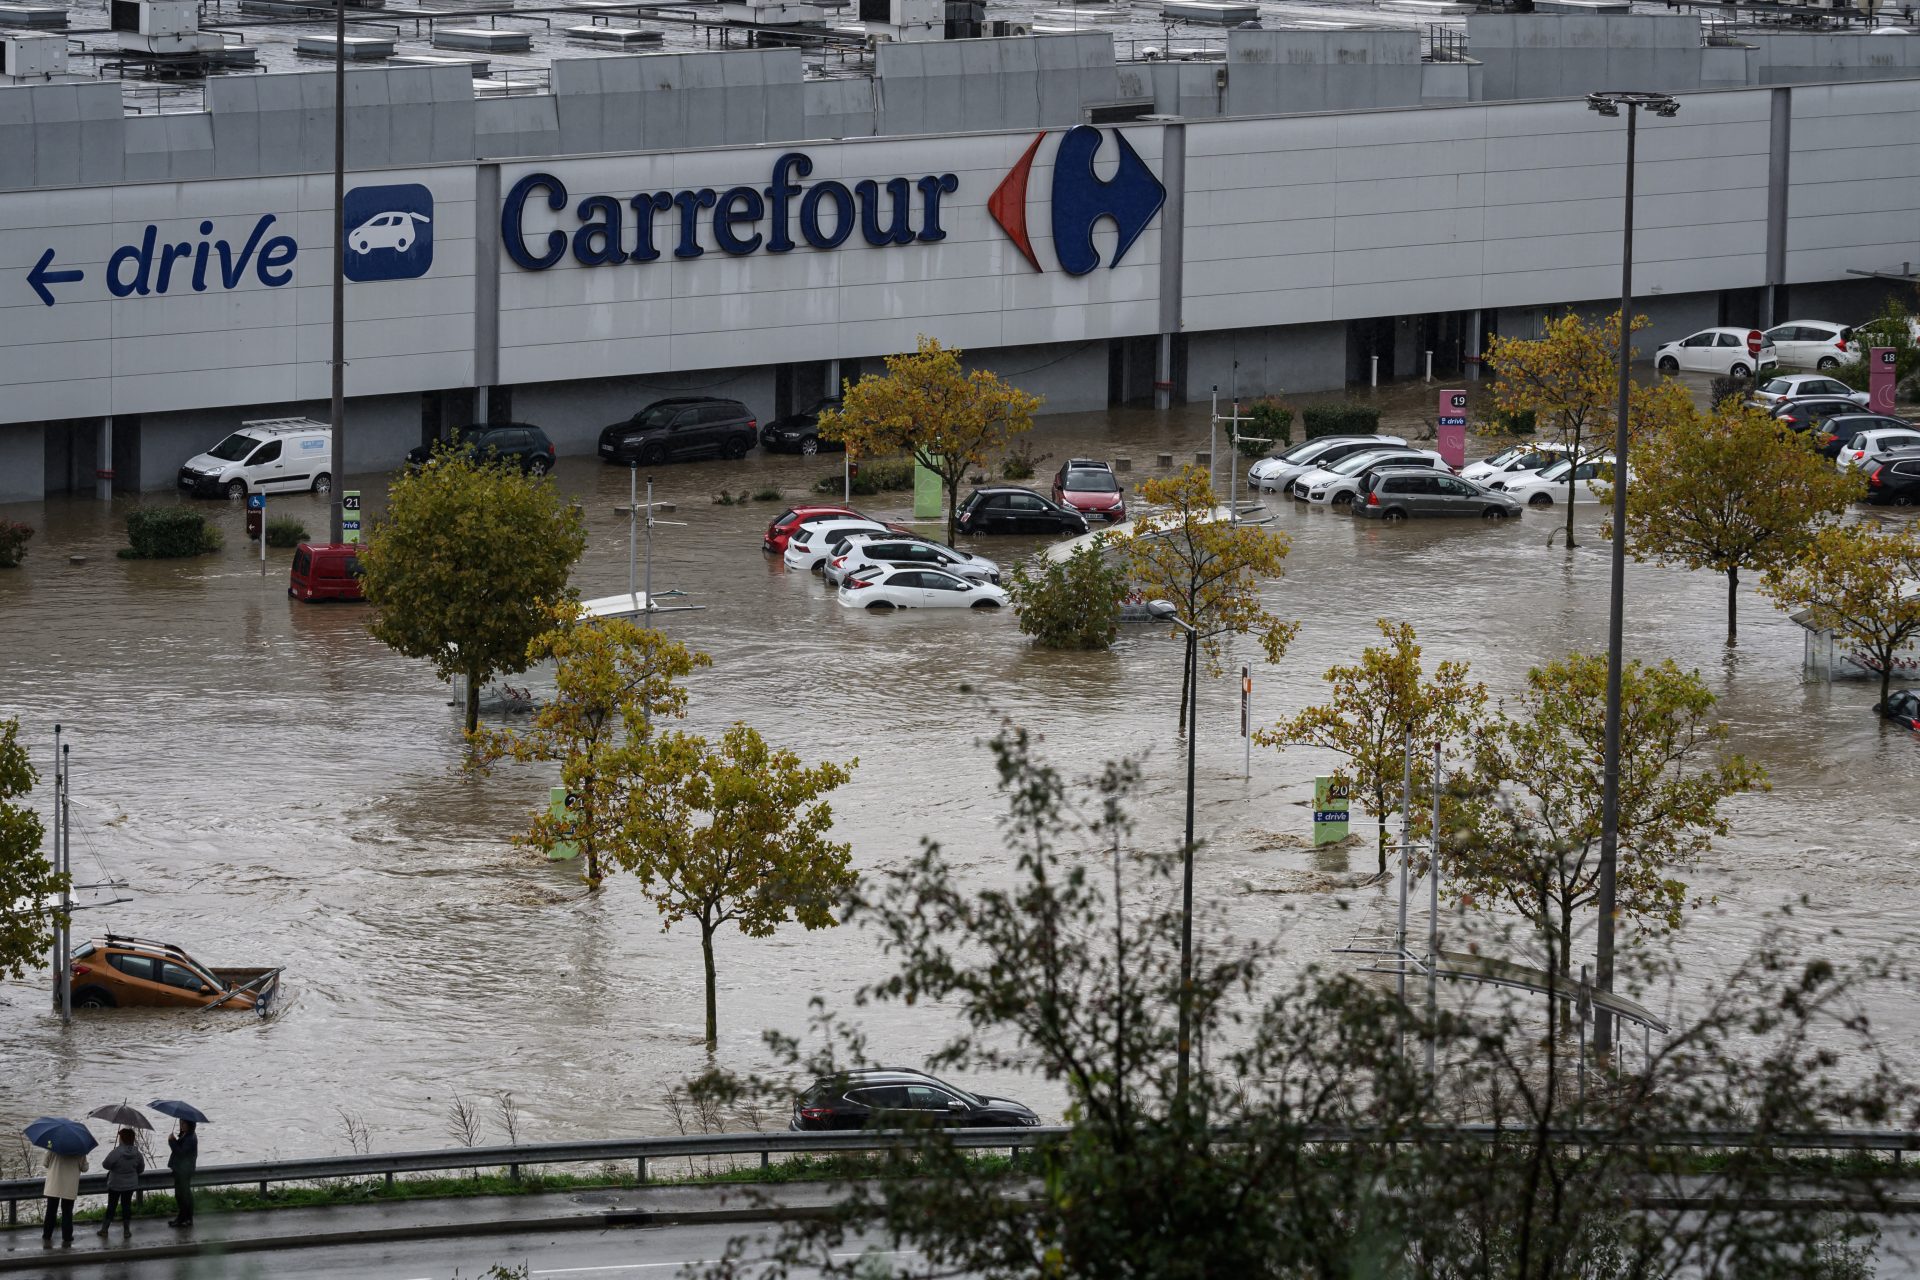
[(1755, 339), (257, 525), (561, 804), (350, 517), (926, 493), (1452, 423), (1329, 811), (1246, 721), (1882, 364)]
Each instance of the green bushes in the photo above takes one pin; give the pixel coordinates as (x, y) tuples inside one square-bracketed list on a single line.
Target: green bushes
[(168, 533), (1514, 422), (13, 542), (877, 475), (1021, 462), (1340, 420), (1272, 429), (1073, 604), (285, 531)]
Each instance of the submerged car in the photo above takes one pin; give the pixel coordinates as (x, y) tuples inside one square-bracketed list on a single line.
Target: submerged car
[(800, 432), (895, 587), (1902, 707), (897, 1097), (138, 973), (1090, 487)]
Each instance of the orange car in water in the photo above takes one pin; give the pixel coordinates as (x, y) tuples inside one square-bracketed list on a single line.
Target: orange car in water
[(115, 972)]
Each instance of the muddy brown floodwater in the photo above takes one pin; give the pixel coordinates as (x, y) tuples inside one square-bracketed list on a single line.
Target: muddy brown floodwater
[(276, 787)]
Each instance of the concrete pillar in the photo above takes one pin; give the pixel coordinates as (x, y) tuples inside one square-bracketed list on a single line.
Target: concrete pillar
[(833, 377), (1473, 345), (1779, 149), (486, 285), (1173, 222), (103, 461)]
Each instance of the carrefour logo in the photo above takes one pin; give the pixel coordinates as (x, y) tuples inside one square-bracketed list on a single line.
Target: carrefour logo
[(389, 232), (789, 213), (1080, 199)]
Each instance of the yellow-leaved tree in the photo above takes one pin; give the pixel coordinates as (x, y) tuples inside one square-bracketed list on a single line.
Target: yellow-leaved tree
[(1860, 582), (1728, 489), (1568, 379), (925, 404), (1186, 550), (736, 833), (1524, 816), (1375, 707), (613, 680)]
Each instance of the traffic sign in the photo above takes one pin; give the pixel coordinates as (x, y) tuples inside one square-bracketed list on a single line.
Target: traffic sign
[(1452, 419), (1754, 339), (1329, 811), (350, 516), (1882, 365)]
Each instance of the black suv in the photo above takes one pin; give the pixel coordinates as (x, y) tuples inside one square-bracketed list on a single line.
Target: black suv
[(800, 432), (685, 427), (1014, 510), (521, 443), (898, 1098)]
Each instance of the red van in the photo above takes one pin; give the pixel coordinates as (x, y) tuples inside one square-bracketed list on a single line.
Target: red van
[(325, 571)]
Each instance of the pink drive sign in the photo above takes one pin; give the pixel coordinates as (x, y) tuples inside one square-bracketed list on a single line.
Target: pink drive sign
[(1882, 364)]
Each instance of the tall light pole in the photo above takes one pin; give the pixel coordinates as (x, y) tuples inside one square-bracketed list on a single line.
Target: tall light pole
[(338, 418), (1608, 103), (1164, 610)]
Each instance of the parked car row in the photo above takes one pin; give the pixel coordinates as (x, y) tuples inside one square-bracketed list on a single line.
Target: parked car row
[(880, 566), (1381, 477)]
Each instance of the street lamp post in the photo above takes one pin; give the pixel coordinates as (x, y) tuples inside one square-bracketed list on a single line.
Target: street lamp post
[(1608, 103), (1163, 610), (338, 417)]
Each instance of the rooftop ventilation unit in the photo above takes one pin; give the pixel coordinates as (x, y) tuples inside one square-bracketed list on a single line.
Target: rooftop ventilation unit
[(34, 58), (904, 19)]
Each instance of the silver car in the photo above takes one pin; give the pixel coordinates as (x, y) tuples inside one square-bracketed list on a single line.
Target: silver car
[(1395, 493)]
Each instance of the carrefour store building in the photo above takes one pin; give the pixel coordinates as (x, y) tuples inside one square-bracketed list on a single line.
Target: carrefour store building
[(724, 224)]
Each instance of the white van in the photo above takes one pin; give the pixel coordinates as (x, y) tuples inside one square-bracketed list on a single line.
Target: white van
[(274, 455)]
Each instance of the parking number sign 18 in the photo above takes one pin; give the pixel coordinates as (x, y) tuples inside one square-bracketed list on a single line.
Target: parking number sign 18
[(1882, 364)]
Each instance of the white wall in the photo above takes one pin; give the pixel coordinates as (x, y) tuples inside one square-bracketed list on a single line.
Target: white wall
[(1290, 221), (1854, 179)]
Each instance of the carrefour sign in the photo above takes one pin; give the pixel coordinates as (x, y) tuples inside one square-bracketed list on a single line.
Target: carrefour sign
[(790, 214)]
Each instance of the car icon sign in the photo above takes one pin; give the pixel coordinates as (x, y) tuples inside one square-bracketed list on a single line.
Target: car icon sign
[(385, 231)]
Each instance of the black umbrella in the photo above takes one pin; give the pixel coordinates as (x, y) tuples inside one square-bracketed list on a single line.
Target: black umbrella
[(179, 1110), (122, 1115)]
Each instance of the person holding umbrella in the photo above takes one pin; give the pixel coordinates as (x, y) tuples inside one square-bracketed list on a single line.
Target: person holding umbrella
[(66, 1143), (123, 1164), (183, 1155)]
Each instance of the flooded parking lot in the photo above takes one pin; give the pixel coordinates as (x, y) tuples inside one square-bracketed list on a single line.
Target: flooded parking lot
[(276, 787)]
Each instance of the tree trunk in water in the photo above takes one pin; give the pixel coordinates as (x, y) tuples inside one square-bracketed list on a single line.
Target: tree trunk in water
[(953, 510), (1733, 597), (473, 702), (1886, 676), (1570, 512), (713, 1013), (1566, 943), (1380, 812)]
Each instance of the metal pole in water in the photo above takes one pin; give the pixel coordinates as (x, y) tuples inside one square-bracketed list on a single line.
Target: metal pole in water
[(647, 609), (60, 934), (1376, 370), (66, 891), (633, 527), (1433, 921), (1406, 850), (1213, 434), (1246, 722)]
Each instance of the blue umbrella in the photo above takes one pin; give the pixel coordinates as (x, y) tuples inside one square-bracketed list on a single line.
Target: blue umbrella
[(179, 1110), (62, 1137)]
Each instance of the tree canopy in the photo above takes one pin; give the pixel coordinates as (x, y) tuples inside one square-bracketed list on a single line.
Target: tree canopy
[(614, 680), (1072, 603), (736, 833), (27, 877), (1729, 489), (1377, 706), (1209, 567), (925, 404), (1523, 827), (1860, 581), (467, 566)]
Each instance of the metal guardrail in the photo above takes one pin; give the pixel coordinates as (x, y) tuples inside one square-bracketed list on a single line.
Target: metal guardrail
[(265, 1173)]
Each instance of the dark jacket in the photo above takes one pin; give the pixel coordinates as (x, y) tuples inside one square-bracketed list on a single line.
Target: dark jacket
[(123, 1165), (184, 1152)]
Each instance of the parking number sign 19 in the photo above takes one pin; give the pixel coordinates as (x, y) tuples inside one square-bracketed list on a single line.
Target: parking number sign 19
[(1882, 364), (1452, 420), (350, 516)]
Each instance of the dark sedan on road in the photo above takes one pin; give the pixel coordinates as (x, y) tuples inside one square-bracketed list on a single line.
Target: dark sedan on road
[(679, 428), (897, 1098), (1010, 509), (520, 444)]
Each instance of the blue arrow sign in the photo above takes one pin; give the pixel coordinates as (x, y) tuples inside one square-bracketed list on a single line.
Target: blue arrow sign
[(40, 277)]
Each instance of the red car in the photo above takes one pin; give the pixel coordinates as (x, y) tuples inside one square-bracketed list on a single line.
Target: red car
[(777, 533), (325, 571), (1089, 487)]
